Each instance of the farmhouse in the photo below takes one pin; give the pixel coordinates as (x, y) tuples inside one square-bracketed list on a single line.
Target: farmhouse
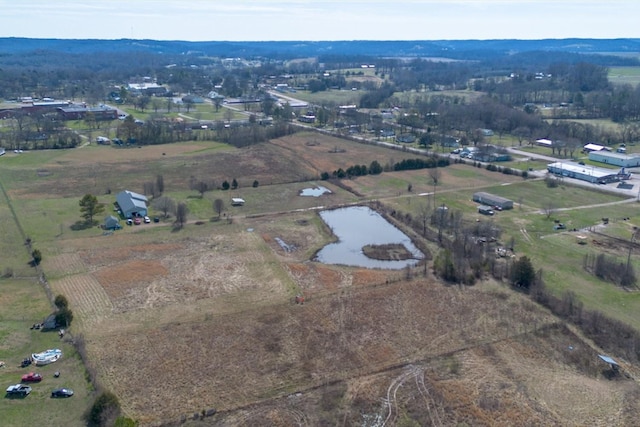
[(591, 174), (492, 200), (618, 159), (132, 204)]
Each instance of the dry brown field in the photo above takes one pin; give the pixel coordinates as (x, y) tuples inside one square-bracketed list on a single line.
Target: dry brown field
[(179, 323)]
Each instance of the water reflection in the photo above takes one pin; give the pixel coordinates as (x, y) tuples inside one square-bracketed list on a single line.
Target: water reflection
[(357, 227)]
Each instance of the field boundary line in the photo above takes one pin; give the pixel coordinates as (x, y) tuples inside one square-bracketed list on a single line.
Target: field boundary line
[(40, 273)]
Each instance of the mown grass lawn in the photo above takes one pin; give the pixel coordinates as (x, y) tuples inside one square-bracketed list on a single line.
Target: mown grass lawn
[(23, 304)]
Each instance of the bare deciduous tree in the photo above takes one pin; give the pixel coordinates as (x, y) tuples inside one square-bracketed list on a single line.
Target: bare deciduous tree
[(434, 174), (165, 205), (218, 206), (149, 189), (160, 184), (181, 214), (423, 215), (549, 208)]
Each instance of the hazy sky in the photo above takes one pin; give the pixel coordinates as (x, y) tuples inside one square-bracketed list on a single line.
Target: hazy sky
[(199, 20)]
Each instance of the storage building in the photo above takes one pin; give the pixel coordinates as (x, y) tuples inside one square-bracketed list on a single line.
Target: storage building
[(492, 200), (617, 159), (592, 174)]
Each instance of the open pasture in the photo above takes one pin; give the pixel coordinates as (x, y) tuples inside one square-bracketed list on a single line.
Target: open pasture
[(624, 75)]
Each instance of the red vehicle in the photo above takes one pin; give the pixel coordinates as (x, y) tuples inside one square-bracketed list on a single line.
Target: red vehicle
[(31, 377), (136, 221)]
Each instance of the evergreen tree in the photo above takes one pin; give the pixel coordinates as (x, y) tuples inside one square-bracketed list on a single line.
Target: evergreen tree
[(90, 207)]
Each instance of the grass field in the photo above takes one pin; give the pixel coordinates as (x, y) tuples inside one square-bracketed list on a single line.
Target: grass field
[(23, 304), (179, 322), (624, 75)]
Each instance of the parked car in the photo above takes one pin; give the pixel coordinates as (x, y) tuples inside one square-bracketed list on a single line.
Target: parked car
[(19, 390), (129, 221), (31, 377), (156, 219), (62, 392), (147, 220), (25, 362), (137, 221)]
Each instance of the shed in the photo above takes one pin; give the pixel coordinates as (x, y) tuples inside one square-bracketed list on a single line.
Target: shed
[(50, 322), (111, 223), (492, 200), (236, 201)]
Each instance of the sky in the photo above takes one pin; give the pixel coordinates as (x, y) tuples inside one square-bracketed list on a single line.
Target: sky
[(285, 20)]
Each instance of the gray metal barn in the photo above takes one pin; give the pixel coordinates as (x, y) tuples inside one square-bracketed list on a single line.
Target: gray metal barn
[(492, 200)]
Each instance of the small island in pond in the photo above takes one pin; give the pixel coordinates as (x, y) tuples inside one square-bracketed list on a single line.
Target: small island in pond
[(387, 252)]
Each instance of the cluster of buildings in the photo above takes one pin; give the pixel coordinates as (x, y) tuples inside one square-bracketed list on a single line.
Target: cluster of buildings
[(65, 110), (598, 175)]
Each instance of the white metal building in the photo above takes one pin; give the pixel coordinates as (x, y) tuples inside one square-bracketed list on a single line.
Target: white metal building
[(617, 159), (592, 174)]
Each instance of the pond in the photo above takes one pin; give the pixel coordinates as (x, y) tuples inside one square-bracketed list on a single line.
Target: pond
[(357, 227), (315, 192)]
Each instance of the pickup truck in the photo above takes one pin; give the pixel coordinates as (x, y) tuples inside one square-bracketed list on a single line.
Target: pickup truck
[(19, 389)]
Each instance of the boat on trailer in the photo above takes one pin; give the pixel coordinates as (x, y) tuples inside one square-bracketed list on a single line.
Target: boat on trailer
[(46, 357)]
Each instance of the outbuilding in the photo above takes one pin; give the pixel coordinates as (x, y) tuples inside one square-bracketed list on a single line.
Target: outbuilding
[(588, 148), (236, 201), (111, 223), (492, 200)]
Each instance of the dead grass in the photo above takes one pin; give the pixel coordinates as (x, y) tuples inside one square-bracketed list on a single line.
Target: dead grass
[(207, 321), (177, 323)]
